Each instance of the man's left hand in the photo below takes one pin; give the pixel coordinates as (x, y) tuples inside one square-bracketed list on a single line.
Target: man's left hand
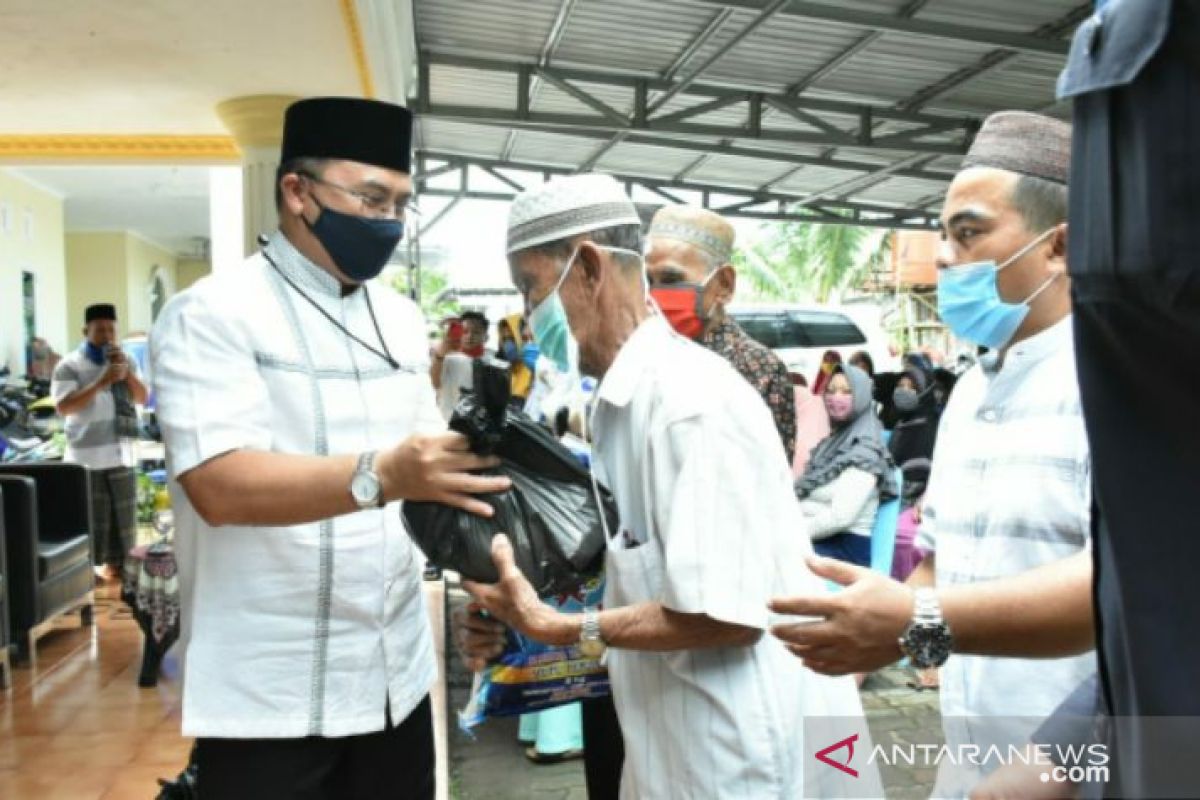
[(513, 601), (861, 624)]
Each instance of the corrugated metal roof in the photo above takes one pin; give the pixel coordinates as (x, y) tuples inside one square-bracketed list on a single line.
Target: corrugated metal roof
[(833, 60)]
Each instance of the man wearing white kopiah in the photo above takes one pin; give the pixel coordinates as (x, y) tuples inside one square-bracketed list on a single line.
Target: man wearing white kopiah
[(709, 707)]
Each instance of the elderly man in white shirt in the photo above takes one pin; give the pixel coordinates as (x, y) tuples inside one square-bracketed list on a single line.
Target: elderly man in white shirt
[(296, 407), (1007, 511), (709, 707)]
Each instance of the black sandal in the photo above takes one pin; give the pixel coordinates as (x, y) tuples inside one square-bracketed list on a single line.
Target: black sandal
[(552, 758)]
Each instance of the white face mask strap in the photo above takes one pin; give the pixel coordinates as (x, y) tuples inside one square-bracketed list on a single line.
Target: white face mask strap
[(1042, 288), (566, 271), (1017, 256)]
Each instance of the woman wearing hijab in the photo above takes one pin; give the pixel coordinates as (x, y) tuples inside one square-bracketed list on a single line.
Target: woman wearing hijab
[(848, 473), (862, 359), (512, 349), (828, 361), (916, 428)]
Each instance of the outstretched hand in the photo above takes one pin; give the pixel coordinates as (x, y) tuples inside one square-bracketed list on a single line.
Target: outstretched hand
[(859, 627), (439, 469)]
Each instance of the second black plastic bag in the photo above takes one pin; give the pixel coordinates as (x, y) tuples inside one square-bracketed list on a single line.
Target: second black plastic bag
[(550, 515)]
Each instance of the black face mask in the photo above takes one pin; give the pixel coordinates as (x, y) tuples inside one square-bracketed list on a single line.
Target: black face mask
[(359, 246), (906, 401)]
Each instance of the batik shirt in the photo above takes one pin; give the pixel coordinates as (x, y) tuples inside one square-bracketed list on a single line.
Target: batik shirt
[(765, 371)]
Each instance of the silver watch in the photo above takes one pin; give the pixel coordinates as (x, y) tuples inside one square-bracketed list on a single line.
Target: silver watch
[(591, 643), (365, 486), (927, 641)]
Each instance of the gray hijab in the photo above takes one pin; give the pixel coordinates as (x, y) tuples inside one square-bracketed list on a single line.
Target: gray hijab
[(856, 442)]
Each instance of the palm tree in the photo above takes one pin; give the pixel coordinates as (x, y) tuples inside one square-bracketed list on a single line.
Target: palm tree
[(809, 259)]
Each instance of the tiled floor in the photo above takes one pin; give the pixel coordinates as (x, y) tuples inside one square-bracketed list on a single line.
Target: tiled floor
[(78, 727)]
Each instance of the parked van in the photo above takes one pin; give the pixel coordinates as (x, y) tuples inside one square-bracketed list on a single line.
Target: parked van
[(800, 335)]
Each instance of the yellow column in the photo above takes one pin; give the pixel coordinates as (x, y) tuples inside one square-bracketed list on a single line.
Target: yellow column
[(256, 122)]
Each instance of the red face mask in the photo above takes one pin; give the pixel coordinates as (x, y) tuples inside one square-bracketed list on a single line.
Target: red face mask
[(683, 306), (474, 352)]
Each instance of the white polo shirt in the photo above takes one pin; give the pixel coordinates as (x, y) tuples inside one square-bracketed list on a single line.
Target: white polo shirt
[(709, 525), (308, 629)]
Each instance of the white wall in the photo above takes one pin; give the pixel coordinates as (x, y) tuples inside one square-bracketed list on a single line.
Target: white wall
[(31, 239)]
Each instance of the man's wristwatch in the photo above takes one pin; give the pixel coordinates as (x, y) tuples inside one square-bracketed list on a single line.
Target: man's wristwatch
[(591, 644), (927, 641), (365, 486)]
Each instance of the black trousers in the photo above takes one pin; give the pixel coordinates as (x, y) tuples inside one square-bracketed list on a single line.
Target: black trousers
[(603, 749), (397, 762)]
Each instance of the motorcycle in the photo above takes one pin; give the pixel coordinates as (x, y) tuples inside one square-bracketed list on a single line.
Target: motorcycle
[(30, 427)]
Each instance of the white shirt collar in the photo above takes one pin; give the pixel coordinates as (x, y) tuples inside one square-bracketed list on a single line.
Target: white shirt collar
[(299, 269), (1029, 351), (638, 354)]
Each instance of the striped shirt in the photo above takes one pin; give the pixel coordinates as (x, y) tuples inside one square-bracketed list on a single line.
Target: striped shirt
[(91, 432), (1010, 491), (709, 526)]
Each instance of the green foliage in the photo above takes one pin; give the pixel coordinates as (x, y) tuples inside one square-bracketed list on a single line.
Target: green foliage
[(146, 491), (802, 261), (432, 299)]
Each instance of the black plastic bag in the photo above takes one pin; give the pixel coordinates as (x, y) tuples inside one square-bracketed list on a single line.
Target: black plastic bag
[(550, 515)]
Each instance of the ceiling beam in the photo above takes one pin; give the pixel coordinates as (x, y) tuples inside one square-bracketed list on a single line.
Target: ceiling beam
[(553, 39), (641, 99), (1054, 30), (847, 187), (874, 20), (833, 64), (580, 124), (692, 167), (777, 156), (743, 198), (600, 152), (653, 83), (710, 30), (765, 14)]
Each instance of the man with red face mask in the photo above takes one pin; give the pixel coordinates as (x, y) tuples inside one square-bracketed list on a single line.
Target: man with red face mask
[(692, 280)]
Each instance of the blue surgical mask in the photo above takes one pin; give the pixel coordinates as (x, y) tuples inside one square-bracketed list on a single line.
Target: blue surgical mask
[(359, 246), (96, 353), (969, 300), (548, 321)]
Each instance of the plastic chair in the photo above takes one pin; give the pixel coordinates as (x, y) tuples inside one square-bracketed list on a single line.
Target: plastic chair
[(883, 534)]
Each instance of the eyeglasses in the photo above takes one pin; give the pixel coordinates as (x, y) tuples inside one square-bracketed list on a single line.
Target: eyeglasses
[(376, 204)]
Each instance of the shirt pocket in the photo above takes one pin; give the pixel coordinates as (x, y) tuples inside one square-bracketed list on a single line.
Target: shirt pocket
[(1113, 45), (634, 575)]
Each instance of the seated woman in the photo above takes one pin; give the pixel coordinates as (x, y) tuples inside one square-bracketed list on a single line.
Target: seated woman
[(848, 473)]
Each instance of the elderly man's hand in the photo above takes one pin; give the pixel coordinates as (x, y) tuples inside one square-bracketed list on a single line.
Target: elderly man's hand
[(513, 601), (861, 624), (479, 639)]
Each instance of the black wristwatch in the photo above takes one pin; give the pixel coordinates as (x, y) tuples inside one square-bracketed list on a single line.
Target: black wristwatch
[(927, 641)]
